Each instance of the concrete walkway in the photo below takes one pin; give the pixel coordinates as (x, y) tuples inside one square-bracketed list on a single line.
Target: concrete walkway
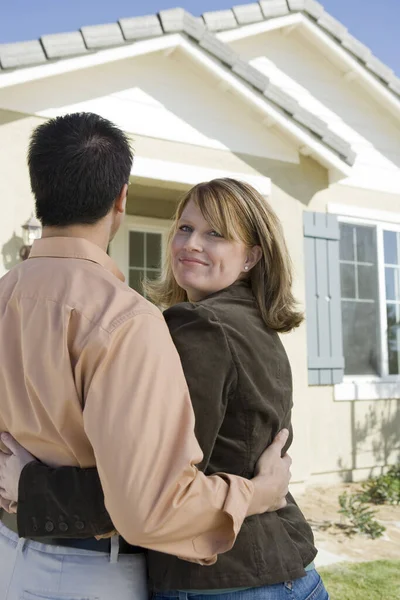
[(325, 558)]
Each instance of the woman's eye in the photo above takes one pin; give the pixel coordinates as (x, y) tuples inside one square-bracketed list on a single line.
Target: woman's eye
[(215, 234), (185, 228)]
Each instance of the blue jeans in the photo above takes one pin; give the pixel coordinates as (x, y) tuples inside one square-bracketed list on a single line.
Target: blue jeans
[(309, 587)]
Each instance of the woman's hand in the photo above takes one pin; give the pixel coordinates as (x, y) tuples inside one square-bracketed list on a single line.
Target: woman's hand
[(11, 466)]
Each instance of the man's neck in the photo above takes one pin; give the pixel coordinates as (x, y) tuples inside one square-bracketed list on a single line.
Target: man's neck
[(96, 234)]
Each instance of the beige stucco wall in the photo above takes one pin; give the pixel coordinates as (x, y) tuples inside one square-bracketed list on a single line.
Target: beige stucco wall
[(16, 201), (331, 438)]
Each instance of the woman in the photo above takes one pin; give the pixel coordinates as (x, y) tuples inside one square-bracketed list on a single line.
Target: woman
[(227, 289)]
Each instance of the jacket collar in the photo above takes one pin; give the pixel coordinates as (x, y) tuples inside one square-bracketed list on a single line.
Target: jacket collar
[(71, 247), (239, 289)]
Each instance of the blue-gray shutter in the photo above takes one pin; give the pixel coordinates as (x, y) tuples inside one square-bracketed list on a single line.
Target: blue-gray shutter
[(323, 304)]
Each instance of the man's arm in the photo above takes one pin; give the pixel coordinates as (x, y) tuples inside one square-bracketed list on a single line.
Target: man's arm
[(140, 421), (78, 492), (75, 494)]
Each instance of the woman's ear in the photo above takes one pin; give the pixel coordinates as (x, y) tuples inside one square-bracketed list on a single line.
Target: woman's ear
[(253, 256)]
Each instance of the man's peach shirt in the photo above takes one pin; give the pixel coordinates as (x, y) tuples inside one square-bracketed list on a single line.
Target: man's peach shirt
[(89, 375)]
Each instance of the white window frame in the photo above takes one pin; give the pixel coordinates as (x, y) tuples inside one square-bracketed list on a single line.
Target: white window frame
[(120, 246), (370, 387)]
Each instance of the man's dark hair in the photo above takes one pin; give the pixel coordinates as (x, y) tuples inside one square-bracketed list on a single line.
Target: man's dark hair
[(78, 165)]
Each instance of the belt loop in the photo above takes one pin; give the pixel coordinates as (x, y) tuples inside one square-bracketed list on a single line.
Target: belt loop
[(114, 553), (20, 545)]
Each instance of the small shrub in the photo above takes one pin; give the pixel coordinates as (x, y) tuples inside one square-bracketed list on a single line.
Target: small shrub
[(359, 516), (384, 489)]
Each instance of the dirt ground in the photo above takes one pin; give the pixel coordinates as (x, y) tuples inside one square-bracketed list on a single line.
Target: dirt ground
[(320, 506)]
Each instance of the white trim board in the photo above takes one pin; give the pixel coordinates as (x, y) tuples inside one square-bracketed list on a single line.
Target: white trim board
[(100, 57), (367, 390), (358, 212), (151, 168), (245, 31)]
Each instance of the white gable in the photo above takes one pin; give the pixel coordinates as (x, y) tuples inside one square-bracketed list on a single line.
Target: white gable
[(155, 95), (298, 66)]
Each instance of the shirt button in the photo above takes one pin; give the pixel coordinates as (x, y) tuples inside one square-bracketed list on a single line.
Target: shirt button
[(63, 527), (80, 525), (49, 526)]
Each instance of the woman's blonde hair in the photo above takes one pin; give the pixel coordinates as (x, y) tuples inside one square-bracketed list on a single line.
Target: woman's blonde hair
[(237, 211)]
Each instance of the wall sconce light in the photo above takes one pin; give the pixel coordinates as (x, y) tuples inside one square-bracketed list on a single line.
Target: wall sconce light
[(31, 231)]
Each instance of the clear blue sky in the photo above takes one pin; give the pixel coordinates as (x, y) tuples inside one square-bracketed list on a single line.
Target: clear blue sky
[(374, 22)]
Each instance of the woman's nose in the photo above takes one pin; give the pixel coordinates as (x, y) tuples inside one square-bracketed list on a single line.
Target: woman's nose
[(193, 243)]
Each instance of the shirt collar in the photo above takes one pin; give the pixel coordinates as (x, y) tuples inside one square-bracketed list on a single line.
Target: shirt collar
[(72, 247)]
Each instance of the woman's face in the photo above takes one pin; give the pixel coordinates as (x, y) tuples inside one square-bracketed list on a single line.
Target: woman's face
[(203, 262)]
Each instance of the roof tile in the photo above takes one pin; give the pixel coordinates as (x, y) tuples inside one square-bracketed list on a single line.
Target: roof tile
[(251, 75), (333, 26), (21, 54), (220, 50), (311, 121), (172, 19), (275, 94), (102, 36), (314, 8), (138, 28), (175, 20), (357, 48), (340, 145), (274, 8), (296, 4), (394, 85), (248, 13), (380, 69), (218, 20), (61, 45)]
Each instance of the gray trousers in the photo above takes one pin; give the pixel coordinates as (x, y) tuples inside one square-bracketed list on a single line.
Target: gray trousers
[(33, 571)]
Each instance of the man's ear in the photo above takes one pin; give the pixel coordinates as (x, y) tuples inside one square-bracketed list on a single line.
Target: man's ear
[(120, 202)]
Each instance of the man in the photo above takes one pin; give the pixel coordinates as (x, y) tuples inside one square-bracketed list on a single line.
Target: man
[(89, 375)]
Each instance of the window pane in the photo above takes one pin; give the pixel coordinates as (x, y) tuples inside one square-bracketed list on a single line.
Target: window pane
[(360, 337), (347, 281), (135, 279), (136, 249), (346, 242), (366, 244), (390, 283), (393, 332), (153, 246), (390, 244), (367, 282), (151, 275)]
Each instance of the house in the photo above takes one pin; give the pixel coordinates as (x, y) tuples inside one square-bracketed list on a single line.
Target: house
[(280, 94)]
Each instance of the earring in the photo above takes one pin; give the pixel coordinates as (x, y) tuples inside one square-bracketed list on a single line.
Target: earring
[(246, 268)]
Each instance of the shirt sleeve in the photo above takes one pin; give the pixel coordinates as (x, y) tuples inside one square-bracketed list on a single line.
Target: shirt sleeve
[(140, 422), (71, 494), (208, 366)]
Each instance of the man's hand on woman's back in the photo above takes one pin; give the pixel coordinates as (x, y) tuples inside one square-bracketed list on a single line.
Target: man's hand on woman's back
[(11, 466), (271, 483)]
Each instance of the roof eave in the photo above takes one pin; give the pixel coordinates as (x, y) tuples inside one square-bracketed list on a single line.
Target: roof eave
[(353, 68)]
